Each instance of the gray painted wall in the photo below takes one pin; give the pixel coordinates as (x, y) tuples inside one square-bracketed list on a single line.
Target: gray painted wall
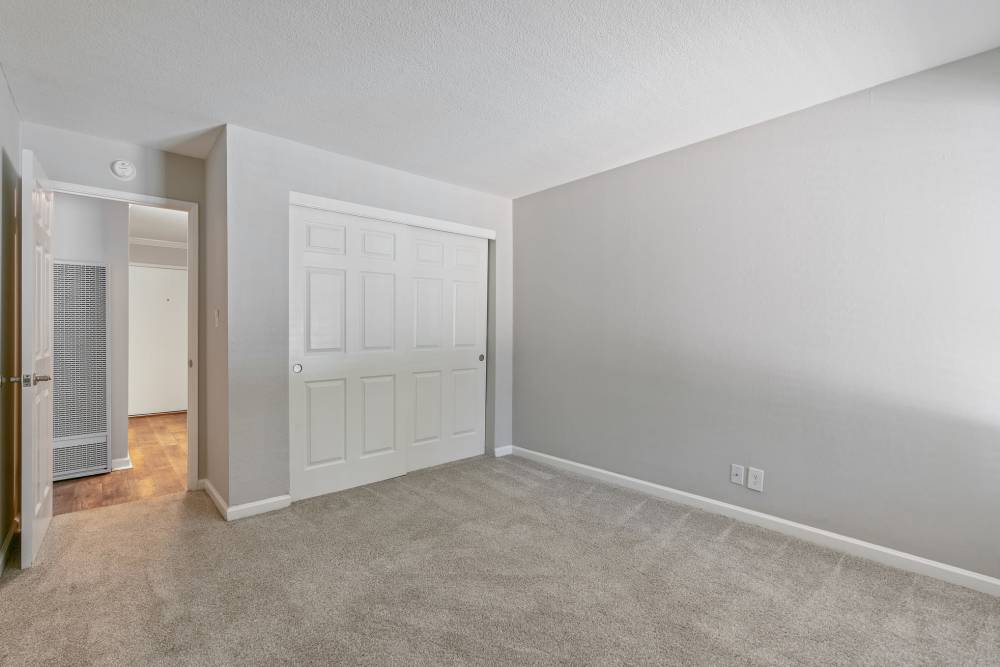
[(262, 171), (816, 296), (96, 231), (215, 415), (10, 164), (85, 160)]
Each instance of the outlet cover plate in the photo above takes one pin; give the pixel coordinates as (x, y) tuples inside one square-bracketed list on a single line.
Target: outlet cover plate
[(736, 474), (755, 480)]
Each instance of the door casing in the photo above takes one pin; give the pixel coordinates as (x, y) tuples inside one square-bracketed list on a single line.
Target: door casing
[(191, 208)]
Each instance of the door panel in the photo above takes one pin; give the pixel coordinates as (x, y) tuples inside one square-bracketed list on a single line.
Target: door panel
[(388, 323), (326, 310), (326, 409), (36, 358)]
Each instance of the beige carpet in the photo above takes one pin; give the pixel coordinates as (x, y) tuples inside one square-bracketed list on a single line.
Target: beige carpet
[(481, 562)]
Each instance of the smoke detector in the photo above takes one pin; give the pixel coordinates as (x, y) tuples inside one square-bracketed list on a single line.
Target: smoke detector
[(123, 170)]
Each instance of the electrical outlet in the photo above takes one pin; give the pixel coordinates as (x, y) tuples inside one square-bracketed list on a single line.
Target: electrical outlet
[(755, 480), (736, 474)]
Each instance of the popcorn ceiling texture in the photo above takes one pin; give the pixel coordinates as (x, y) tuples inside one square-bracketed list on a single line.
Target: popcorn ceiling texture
[(505, 97)]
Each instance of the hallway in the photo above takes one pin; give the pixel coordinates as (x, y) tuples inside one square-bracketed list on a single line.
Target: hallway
[(158, 448)]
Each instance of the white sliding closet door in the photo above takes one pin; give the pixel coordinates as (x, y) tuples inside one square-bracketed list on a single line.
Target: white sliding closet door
[(387, 342)]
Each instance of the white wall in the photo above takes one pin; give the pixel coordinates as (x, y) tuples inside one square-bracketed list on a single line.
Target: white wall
[(157, 342), (262, 170), (96, 231), (83, 159), (148, 254), (816, 296), (158, 236)]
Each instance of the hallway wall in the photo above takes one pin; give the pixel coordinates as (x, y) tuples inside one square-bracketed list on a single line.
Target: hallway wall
[(95, 231)]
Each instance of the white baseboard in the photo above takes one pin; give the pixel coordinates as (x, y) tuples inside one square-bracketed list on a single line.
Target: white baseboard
[(121, 464), (506, 450), (233, 512), (220, 504), (849, 545), (5, 547)]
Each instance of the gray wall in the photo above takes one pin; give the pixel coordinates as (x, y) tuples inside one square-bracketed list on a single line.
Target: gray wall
[(10, 161), (262, 170), (215, 416), (85, 160), (96, 231), (816, 296)]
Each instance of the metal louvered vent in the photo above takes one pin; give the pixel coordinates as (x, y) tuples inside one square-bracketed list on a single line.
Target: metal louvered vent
[(77, 459), (80, 406)]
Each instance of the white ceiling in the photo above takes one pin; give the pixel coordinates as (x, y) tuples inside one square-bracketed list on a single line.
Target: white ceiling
[(161, 224), (506, 97)]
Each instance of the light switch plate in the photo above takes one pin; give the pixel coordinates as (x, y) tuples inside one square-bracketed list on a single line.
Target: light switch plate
[(755, 480), (736, 474)]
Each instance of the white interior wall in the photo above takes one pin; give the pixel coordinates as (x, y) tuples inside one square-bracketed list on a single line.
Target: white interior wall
[(92, 230), (148, 254)]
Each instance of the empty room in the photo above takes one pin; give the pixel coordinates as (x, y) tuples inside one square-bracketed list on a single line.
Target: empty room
[(500, 333)]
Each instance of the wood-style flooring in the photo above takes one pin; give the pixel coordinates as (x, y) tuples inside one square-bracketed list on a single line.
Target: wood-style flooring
[(158, 447)]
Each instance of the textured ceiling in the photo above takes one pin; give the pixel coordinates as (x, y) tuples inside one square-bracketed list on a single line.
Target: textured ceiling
[(506, 97)]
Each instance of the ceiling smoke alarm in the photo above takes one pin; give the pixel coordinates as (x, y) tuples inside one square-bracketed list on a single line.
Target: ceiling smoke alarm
[(123, 170)]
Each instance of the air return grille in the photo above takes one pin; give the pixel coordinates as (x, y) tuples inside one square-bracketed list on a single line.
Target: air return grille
[(76, 459), (80, 412)]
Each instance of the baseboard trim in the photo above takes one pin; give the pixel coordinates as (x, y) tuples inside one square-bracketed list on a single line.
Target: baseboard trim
[(210, 491), (258, 507), (855, 547), (121, 464), (244, 510), (506, 450), (5, 546)]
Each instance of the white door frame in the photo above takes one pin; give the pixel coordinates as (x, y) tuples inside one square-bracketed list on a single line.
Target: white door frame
[(191, 208), (362, 211)]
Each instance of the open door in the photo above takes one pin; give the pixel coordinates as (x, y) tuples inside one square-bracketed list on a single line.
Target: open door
[(36, 357)]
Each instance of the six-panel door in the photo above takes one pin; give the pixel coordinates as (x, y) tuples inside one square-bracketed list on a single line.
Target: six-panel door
[(388, 335), (37, 204)]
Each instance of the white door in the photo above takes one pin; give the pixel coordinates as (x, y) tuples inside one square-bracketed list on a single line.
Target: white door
[(157, 339), (387, 342), (36, 357)]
